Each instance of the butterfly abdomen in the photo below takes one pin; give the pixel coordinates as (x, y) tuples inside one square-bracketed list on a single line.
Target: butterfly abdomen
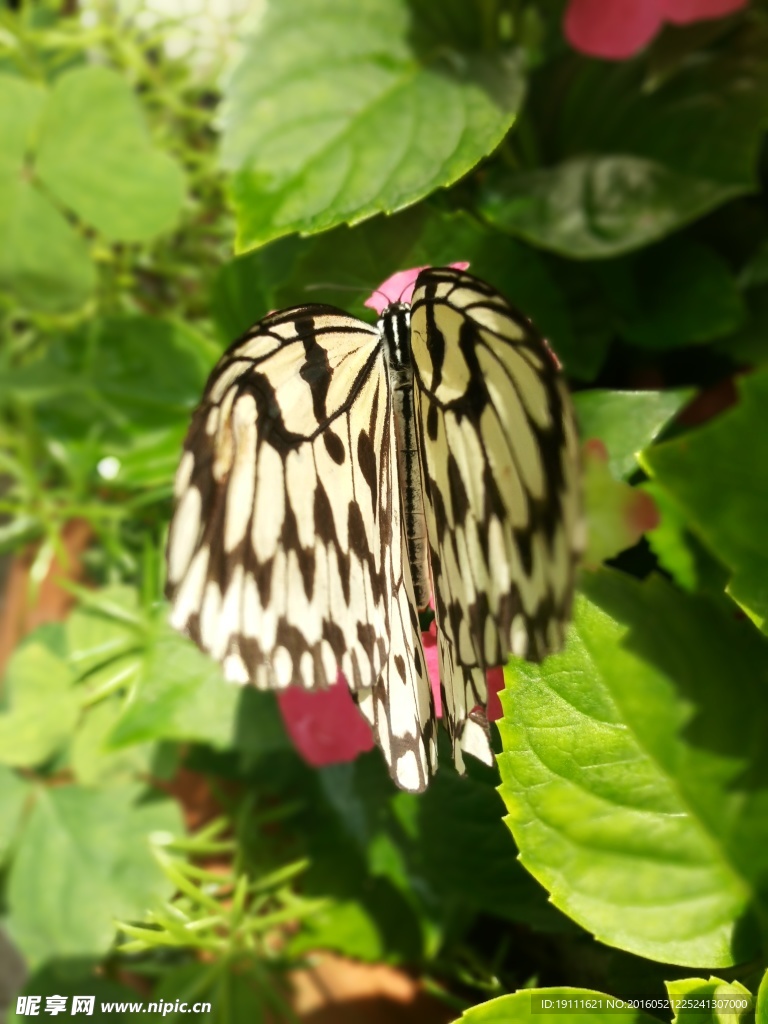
[(394, 327)]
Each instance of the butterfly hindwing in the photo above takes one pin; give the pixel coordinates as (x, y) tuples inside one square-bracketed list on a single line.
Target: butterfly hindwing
[(285, 549)]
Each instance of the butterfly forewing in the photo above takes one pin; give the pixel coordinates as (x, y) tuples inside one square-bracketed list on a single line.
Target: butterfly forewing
[(500, 469), (284, 552)]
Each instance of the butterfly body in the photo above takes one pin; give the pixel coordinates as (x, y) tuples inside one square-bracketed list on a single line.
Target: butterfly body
[(335, 474), (394, 327)]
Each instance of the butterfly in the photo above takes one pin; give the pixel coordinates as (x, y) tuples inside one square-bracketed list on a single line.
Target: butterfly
[(337, 475)]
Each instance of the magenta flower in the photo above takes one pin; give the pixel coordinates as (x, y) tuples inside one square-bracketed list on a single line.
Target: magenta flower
[(617, 29), (399, 288), (325, 725)]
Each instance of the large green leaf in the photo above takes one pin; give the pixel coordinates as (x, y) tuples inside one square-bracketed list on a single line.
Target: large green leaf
[(110, 647), (626, 421), (715, 476), (181, 695), (83, 860), (748, 346), (599, 206), (637, 787), (20, 105), (710, 1001), (677, 292), (43, 706), (95, 763), (14, 792), (381, 102), (60, 980), (555, 1006), (456, 835), (95, 156), (43, 260), (632, 160), (761, 1014), (86, 143)]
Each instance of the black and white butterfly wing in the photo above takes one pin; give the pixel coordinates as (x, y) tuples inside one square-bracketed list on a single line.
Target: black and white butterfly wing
[(285, 549), (500, 469)]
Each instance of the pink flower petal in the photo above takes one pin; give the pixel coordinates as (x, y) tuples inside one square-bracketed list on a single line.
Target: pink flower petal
[(325, 725), (641, 513), (613, 29), (429, 642), (399, 288), (495, 678), (683, 12), (595, 449)]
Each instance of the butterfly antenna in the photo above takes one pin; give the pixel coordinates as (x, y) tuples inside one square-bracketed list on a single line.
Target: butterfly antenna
[(317, 286)]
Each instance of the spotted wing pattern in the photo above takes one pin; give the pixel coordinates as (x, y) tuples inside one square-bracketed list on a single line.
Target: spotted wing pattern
[(500, 470), (285, 552)]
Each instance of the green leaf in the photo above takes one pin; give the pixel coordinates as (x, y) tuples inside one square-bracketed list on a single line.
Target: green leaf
[(44, 707), (182, 695), (121, 388), (149, 458), (57, 980), (626, 421), (457, 835), (96, 157), (668, 540), (150, 371), (92, 849), (713, 1001), (633, 160), (761, 1010), (94, 763), (755, 271), (107, 628), (42, 259), (636, 785), (448, 845), (346, 927), (676, 293), (599, 206), (20, 105), (381, 103), (236, 993), (711, 474), (243, 290), (554, 1006), (749, 345), (14, 792)]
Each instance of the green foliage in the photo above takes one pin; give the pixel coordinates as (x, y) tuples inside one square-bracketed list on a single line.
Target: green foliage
[(656, 803), (621, 206), (403, 98), (82, 144), (691, 999), (711, 475), (629, 153), (90, 846)]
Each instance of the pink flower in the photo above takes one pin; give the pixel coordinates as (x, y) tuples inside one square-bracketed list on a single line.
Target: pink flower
[(325, 725), (617, 29), (618, 514), (399, 288)]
